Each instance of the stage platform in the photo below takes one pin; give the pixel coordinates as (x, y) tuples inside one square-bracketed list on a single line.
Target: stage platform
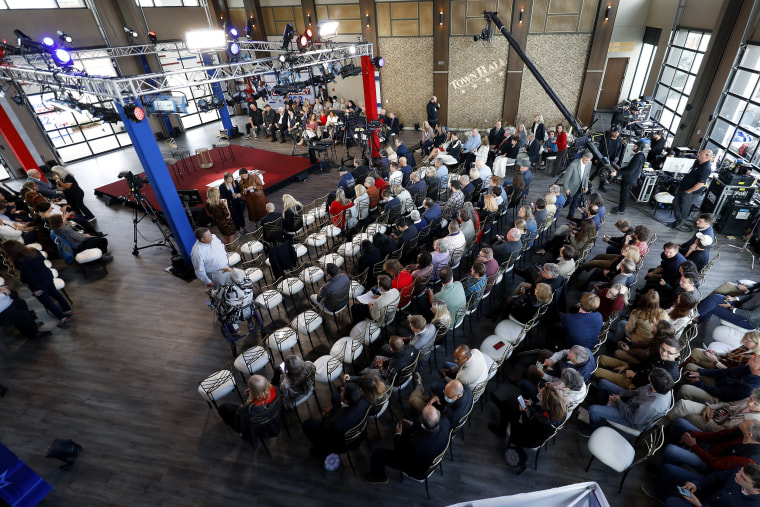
[(279, 170)]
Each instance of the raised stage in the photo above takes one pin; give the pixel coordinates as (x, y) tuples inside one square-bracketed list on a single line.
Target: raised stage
[(278, 170)]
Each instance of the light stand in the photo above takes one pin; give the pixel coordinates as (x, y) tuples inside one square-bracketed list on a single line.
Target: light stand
[(744, 247), (142, 203)]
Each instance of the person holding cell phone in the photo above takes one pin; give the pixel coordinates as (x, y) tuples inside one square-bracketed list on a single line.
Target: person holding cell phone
[(735, 487), (530, 427)]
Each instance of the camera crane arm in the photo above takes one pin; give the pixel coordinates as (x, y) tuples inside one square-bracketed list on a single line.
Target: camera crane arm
[(493, 17)]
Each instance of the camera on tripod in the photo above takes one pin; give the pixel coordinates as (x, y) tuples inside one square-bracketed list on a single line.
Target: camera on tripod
[(135, 182)]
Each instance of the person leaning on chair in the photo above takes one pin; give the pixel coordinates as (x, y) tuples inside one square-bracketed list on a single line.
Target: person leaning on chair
[(334, 292)]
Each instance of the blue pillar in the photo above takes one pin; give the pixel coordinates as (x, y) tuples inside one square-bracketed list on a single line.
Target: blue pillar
[(164, 117), (161, 182), (217, 89)]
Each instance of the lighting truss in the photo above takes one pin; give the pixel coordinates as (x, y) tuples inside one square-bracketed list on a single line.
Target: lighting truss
[(124, 89)]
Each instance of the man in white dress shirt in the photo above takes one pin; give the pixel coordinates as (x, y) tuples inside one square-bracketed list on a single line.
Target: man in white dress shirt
[(209, 259)]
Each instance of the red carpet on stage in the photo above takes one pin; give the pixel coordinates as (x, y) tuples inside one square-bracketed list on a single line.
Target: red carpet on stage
[(277, 168)]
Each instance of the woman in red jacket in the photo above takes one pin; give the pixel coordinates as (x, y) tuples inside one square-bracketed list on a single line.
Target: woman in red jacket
[(402, 280), (338, 208), (561, 149)]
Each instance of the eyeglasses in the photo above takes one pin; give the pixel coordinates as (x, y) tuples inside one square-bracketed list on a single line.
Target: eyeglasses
[(668, 352)]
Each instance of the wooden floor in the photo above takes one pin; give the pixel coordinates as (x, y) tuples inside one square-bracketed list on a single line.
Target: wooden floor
[(122, 380)]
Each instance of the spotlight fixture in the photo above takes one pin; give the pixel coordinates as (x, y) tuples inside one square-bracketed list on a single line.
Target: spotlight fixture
[(260, 93), (304, 40), (366, 18), (64, 37), (203, 105), (216, 103), (152, 37), (62, 57), (134, 113), (105, 114), (521, 15), (287, 36), (130, 33), (48, 42), (233, 51), (282, 58), (440, 18), (378, 61), (18, 99), (349, 70), (327, 29), (250, 26), (233, 32), (308, 16), (20, 36), (352, 49), (607, 13)]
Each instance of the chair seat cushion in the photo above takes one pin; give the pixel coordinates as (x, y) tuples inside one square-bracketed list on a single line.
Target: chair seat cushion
[(508, 329), (332, 258), (89, 255), (307, 321), (36, 246), (321, 365), (300, 249), (368, 333), (59, 284), (488, 347), (730, 335), (316, 239), (269, 299), (54, 272), (290, 286), (361, 237), (217, 385), (286, 336), (331, 231), (233, 258), (253, 274), (373, 229), (348, 249), (337, 350), (252, 360), (311, 274), (611, 448), (356, 289), (252, 247), (664, 198)]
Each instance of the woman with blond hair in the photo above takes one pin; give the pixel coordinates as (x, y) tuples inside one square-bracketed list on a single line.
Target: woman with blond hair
[(261, 394), (641, 322), (361, 202), (220, 212), (292, 214), (720, 355), (441, 315)]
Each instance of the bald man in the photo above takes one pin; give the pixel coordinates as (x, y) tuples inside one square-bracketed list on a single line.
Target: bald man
[(415, 446), (691, 187)]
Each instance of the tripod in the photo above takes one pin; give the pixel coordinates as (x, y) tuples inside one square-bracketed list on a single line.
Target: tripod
[(142, 203)]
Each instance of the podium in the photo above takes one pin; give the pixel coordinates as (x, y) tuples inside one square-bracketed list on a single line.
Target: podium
[(20, 486)]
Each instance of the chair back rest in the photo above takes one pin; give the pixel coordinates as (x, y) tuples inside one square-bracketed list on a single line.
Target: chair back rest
[(406, 372), (652, 239), (479, 388), (706, 269), (273, 411), (377, 270), (458, 315), (396, 254), (464, 418), (649, 443), (353, 434)]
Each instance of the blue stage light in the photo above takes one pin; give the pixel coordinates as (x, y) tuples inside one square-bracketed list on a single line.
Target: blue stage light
[(234, 48), (62, 58), (48, 41)]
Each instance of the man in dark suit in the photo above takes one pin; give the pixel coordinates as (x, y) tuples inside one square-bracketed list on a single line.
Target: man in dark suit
[(393, 205), (402, 356), (456, 403), (327, 435), (404, 233), (393, 124), (629, 176), (533, 149), (270, 118), (279, 124), (415, 446), (432, 210), (272, 233), (503, 249), (334, 294), (370, 255)]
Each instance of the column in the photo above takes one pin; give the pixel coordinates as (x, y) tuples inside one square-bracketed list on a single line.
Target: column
[(597, 60), (513, 84)]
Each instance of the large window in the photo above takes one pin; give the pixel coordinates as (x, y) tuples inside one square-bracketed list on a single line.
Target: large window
[(677, 77), (176, 60), (167, 3), (641, 74), (41, 4), (736, 130)]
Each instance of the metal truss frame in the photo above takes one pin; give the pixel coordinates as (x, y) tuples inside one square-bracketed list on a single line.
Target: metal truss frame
[(125, 89)]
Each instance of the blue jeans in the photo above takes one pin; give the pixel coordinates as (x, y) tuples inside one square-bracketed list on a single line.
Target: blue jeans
[(608, 387), (709, 307), (573, 202), (672, 476), (675, 455), (678, 428), (596, 413)]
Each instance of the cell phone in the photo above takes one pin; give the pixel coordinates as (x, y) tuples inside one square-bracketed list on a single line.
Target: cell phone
[(498, 345), (282, 366), (539, 365), (521, 401), (684, 492)]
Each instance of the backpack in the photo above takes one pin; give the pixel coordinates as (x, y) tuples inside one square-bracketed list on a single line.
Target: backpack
[(516, 459)]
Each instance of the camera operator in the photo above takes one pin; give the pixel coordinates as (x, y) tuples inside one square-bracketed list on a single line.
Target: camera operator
[(655, 156), (612, 148)]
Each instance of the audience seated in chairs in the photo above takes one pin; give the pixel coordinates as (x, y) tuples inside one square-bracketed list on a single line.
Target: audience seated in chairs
[(327, 435), (583, 328), (387, 296), (78, 241), (523, 303), (416, 445)]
